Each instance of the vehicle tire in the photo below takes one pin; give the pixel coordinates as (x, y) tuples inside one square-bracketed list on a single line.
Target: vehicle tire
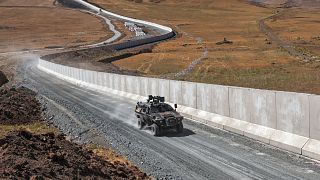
[(179, 128), (155, 130), (140, 124)]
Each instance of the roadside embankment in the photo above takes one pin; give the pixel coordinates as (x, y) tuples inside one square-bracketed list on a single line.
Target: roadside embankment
[(38, 156), (32, 149)]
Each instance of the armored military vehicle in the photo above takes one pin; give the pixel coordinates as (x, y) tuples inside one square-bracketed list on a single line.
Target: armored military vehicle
[(158, 116)]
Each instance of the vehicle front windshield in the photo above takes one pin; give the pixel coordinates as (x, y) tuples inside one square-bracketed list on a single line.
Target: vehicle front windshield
[(161, 108)]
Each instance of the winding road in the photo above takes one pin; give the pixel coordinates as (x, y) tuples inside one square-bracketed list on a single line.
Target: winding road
[(116, 33)]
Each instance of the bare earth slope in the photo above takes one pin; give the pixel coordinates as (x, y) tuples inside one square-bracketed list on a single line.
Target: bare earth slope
[(52, 156), (31, 149)]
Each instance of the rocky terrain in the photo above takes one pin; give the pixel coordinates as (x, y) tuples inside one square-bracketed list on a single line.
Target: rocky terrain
[(30, 156), (3, 79), (19, 106)]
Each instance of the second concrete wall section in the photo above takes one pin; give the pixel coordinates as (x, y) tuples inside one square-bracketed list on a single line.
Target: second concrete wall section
[(164, 86), (315, 117), (144, 86), (175, 92), (153, 86), (293, 113), (204, 92), (220, 100), (239, 101), (263, 108), (132, 85), (116, 82), (189, 94)]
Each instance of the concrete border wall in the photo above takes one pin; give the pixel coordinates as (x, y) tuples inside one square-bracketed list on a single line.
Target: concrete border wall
[(314, 117), (284, 119)]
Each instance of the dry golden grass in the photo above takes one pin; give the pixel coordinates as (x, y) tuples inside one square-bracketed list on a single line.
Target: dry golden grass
[(114, 158), (163, 59), (42, 25), (38, 128), (209, 20), (109, 154)]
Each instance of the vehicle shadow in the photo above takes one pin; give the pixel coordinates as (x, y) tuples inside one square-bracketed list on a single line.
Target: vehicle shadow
[(173, 133)]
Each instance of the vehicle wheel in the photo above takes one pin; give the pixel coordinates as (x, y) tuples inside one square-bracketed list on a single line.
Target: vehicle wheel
[(140, 124), (155, 130), (179, 128)]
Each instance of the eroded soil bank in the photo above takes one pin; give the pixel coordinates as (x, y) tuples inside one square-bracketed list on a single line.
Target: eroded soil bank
[(31, 156)]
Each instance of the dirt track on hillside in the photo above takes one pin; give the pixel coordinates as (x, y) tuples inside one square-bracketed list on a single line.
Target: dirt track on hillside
[(274, 37), (277, 40)]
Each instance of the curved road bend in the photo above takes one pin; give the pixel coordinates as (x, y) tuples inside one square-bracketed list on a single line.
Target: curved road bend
[(116, 33), (199, 153)]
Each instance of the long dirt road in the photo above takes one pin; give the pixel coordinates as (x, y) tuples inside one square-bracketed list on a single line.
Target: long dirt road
[(198, 153)]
